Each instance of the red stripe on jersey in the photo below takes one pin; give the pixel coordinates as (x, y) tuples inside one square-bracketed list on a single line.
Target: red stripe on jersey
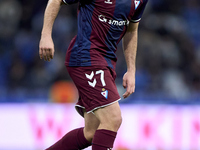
[(132, 10), (100, 30), (68, 54)]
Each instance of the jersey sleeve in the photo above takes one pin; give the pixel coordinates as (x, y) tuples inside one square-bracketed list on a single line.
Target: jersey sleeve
[(139, 11), (68, 2)]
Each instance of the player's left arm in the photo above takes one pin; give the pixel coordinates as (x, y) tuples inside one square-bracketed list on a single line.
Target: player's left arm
[(130, 49), (46, 46)]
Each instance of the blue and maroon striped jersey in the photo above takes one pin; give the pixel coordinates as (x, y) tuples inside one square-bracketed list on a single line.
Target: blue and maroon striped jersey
[(101, 26)]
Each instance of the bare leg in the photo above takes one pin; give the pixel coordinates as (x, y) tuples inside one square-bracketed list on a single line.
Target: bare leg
[(110, 121), (91, 125), (110, 117)]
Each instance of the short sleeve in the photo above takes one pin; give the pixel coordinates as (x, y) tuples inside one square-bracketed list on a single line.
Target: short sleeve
[(68, 2), (139, 11)]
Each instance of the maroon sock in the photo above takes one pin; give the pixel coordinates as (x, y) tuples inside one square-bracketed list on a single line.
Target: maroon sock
[(73, 140), (103, 140)]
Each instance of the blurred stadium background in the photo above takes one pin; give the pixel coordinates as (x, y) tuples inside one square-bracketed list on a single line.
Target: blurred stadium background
[(37, 97)]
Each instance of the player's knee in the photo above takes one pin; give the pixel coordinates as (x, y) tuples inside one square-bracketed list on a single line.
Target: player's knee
[(113, 123), (116, 122), (89, 134)]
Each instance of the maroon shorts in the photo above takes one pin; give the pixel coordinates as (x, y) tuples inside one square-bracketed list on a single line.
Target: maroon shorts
[(96, 87)]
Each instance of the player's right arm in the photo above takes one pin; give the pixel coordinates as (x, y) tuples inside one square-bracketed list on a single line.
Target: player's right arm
[(46, 46)]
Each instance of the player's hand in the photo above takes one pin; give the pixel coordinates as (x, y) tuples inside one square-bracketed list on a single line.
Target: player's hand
[(129, 83), (46, 48)]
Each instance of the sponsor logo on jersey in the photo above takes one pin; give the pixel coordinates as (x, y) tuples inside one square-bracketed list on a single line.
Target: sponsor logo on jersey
[(102, 18), (137, 3), (104, 93)]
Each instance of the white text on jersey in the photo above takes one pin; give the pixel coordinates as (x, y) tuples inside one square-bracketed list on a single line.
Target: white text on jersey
[(108, 2)]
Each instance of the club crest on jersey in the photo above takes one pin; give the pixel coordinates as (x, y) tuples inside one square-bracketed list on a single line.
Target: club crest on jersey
[(137, 3), (104, 93)]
